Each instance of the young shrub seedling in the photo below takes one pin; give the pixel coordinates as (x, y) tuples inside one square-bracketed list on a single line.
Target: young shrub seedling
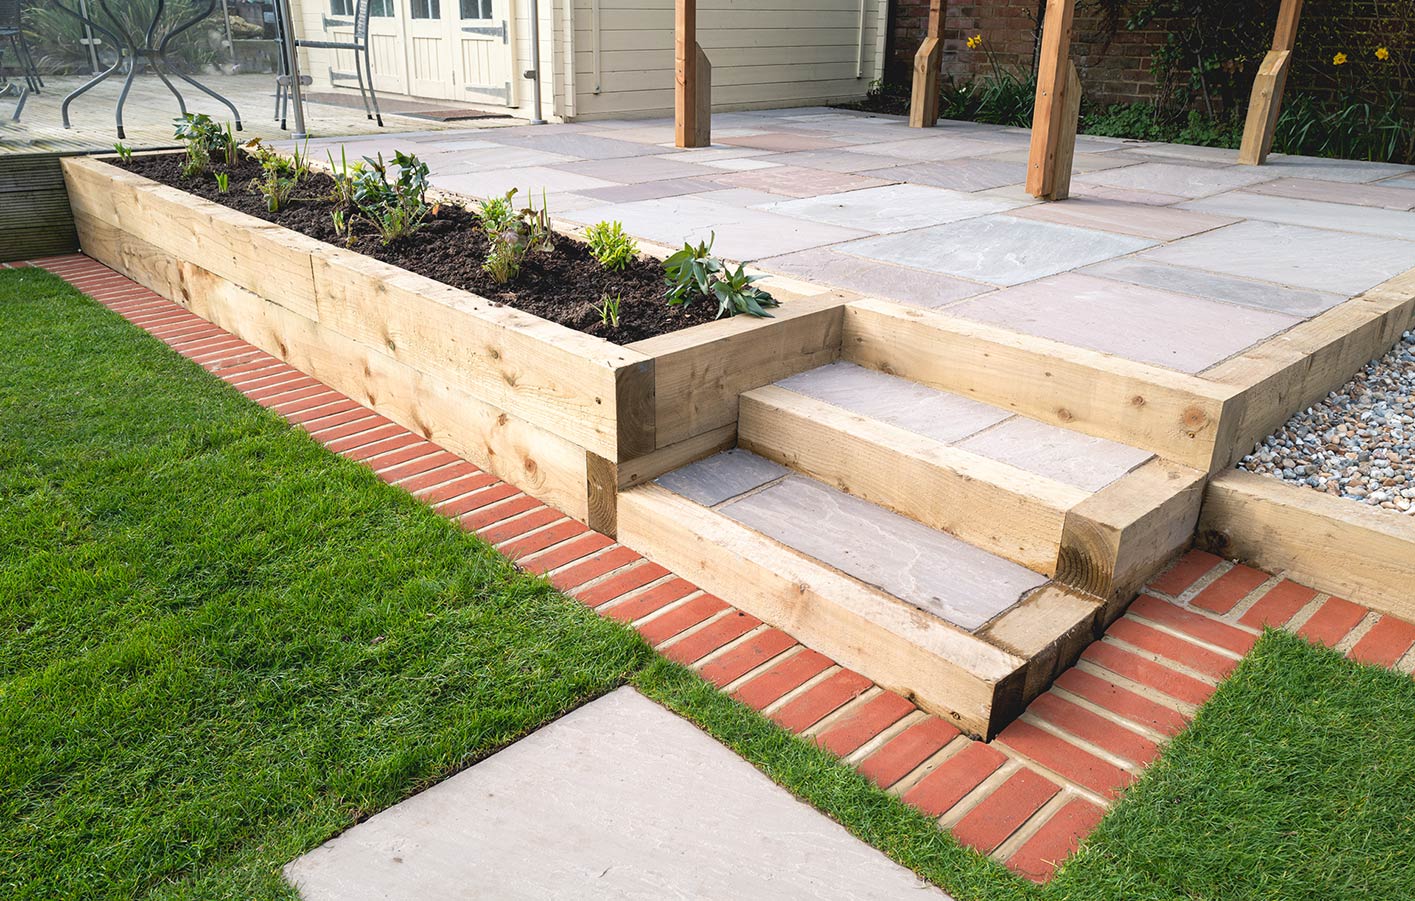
[(202, 137), (512, 234), (609, 309), (396, 208), (694, 272), (125, 153), (280, 175), (610, 247)]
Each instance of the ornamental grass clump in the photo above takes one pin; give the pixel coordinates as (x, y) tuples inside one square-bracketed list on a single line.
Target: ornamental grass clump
[(694, 272)]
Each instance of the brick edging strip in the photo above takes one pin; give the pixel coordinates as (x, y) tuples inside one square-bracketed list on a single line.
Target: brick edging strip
[(1026, 799)]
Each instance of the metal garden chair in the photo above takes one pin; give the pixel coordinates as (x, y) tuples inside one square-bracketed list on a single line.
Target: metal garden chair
[(363, 67), (11, 31)]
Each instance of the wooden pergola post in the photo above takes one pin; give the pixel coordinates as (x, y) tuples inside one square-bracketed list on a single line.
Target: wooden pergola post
[(692, 80), (1057, 108), (1266, 102), (923, 103)]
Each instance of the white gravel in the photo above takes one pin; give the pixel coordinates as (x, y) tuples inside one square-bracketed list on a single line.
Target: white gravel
[(1359, 442)]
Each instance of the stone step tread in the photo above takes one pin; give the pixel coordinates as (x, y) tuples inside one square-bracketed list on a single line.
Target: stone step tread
[(1069, 457), (929, 569)]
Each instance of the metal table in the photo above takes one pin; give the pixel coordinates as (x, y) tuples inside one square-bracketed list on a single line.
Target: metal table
[(151, 51)]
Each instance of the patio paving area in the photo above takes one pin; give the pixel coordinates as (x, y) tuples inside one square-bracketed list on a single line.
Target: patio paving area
[(151, 108), (1165, 254)]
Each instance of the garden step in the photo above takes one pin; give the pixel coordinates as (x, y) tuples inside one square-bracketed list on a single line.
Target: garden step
[(966, 632), (1002, 482)]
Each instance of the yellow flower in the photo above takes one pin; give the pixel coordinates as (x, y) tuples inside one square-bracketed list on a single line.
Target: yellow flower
[(975, 42), (1339, 59), (1383, 53)]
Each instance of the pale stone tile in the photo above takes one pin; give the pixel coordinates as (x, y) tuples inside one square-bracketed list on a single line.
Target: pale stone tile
[(1312, 213), (965, 174), (1000, 250), (637, 802), (892, 208), (1175, 178), (633, 171), (740, 164), (1178, 331), (940, 415), (1160, 223), (721, 477), (833, 160), (529, 181), (1301, 302), (575, 144), (781, 142), (930, 569), (934, 148), (1332, 170), (1087, 462), (651, 190), (1293, 255), (898, 283), (1372, 195)]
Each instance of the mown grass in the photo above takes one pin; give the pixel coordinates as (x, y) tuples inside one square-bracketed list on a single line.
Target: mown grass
[(220, 645)]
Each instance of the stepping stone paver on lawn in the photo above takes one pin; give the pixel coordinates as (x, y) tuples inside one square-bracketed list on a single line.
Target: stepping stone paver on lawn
[(930, 569), (1292, 255), (618, 799), (1246, 292), (999, 249), (1150, 325), (891, 208)]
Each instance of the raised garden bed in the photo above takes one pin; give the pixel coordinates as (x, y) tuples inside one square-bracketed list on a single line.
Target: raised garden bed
[(565, 415)]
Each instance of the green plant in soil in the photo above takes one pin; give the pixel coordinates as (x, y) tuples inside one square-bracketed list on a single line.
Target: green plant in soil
[(280, 174), (609, 309), (511, 234), (610, 246), (223, 182), (202, 138), (396, 207), (694, 272), (124, 152)]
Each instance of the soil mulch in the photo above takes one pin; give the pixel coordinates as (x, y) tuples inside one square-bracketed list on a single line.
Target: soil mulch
[(564, 286)]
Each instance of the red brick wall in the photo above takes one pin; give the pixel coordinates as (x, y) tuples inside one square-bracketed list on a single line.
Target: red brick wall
[(1114, 63)]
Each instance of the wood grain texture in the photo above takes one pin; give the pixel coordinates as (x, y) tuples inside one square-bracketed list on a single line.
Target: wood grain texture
[(1180, 417), (1049, 116), (1115, 540), (948, 671), (35, 205), (1049, 630), (1330, 543), (1002, 509), (1265, 104), (685, 73)]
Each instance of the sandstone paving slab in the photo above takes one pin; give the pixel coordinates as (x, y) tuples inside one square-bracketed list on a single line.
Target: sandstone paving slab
[(833, 160), (651, 190), (1148, 325), (1084, 461), (892, 208), (1313, 213), (744, 197), (1322, 260), (721, 477), (781, 141), (938, 147), (502, 156), (629, 171), (1160, 223), (575, 144), (528, 180), (1190, 152), (620, 799), (943, 416), (999, 249), (1404, 182), (1123, 195), (741, 233), (797, 181), (715, 153), (914, 287), (1302, 302), (1080, 162), (1372, 195), (932, 570), (741, 164), (1177, 178), (964, 174), (1284, 166)]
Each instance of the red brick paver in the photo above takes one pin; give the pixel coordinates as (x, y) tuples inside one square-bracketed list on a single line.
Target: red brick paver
[(1115, 709)]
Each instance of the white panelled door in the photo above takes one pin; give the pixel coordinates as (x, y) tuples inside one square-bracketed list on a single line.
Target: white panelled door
[(483, 60), (386, 50)]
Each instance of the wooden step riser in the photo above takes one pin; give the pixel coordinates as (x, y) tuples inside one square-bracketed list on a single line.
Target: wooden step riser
[(1000, 508), (1177, 416), (974, 683)]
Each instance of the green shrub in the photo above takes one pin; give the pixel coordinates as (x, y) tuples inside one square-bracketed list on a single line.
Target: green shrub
[(512, 234), (694, 272), (395, 207), (610, 247)]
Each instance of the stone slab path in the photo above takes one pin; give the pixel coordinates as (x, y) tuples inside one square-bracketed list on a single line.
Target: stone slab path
[(1232, 255), (618, 799), (1027, 799)]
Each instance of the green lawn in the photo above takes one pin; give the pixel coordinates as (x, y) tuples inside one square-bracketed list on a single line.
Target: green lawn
[(220, 645)]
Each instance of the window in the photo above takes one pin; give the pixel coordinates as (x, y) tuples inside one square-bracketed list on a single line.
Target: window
[(341, 7), (426, 9), (380, 9), (476, 9)]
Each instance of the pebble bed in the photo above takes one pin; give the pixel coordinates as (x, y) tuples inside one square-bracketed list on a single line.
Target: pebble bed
[(1359, 442)]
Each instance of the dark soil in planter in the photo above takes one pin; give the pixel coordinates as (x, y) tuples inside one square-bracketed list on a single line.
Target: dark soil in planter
[(564, 286)]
